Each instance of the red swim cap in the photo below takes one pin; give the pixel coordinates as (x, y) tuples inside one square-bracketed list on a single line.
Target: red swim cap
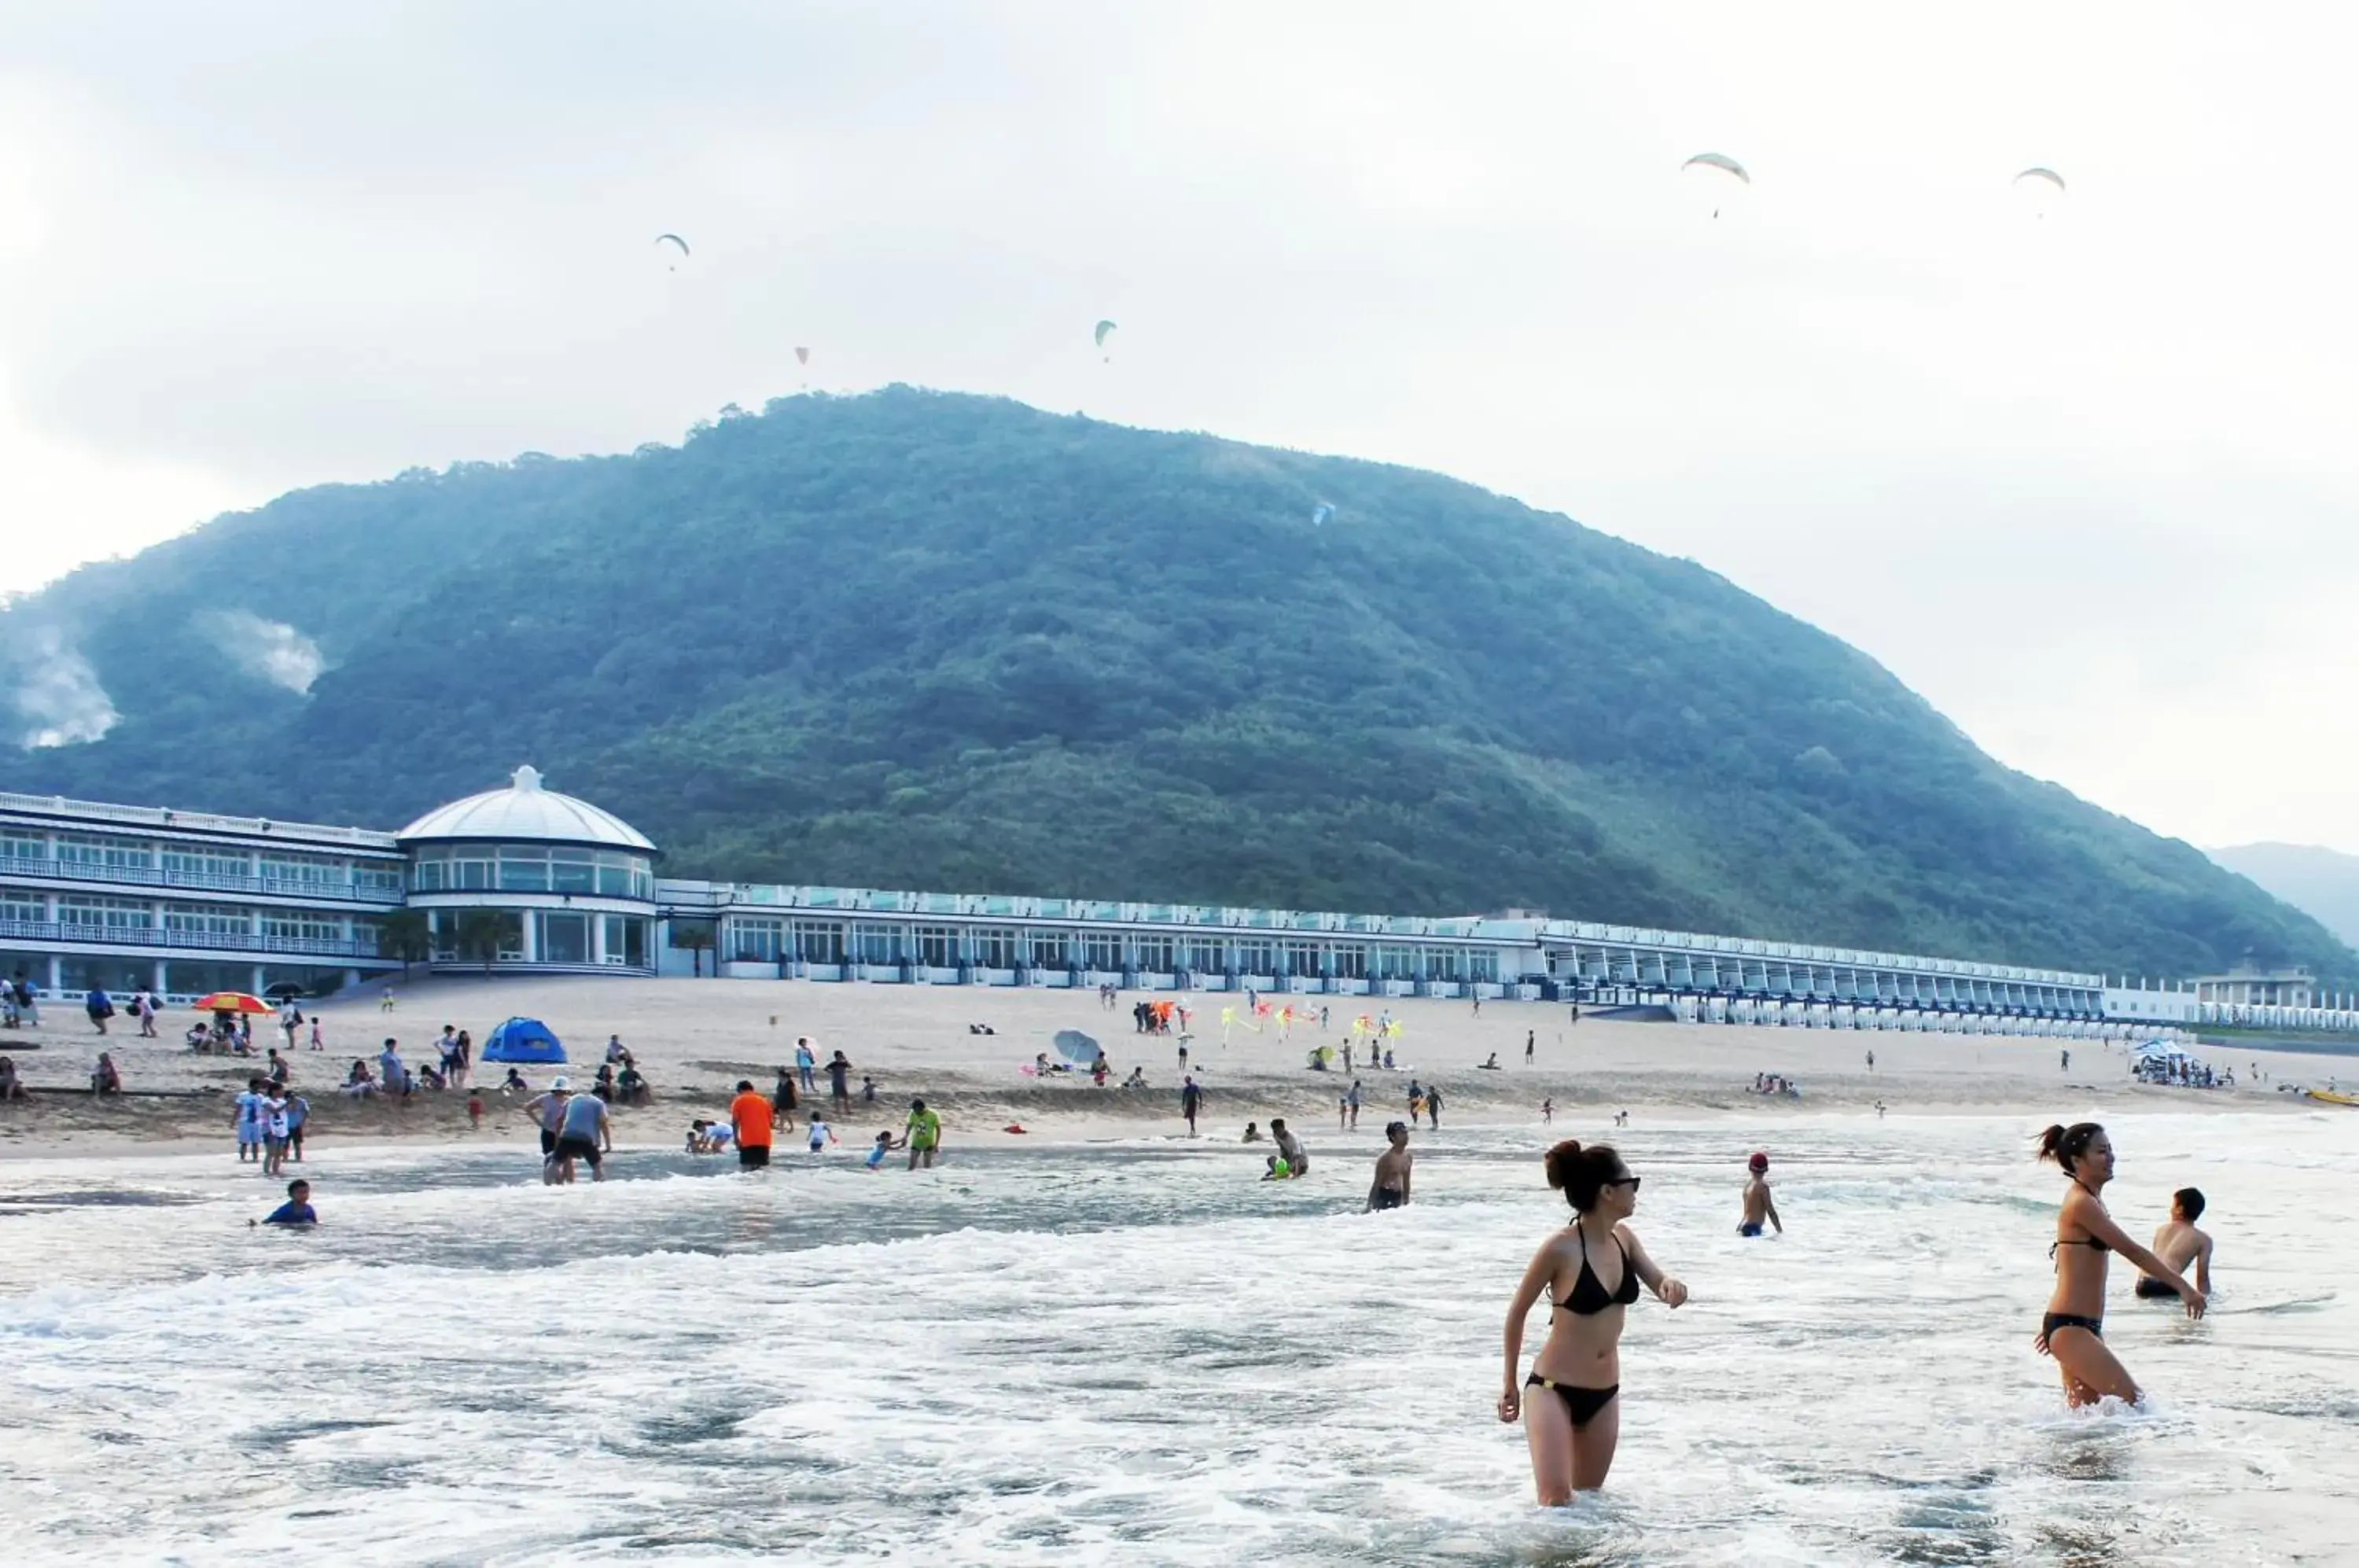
[(1759, 1161)]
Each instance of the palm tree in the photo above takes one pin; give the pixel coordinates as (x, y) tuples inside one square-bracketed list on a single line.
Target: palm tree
[(482, 934), (405, 935)]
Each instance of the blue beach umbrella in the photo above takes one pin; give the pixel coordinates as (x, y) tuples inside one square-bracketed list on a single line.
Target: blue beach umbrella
[(523, 1039), (1075, 1046)]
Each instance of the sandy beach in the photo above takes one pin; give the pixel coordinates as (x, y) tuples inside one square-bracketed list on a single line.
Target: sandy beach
[(694, 1039)]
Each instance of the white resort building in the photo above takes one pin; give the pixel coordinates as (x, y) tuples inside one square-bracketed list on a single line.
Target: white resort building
[(526, 880)]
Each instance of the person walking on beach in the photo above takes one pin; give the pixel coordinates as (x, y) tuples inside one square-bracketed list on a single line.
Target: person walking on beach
[(1530, 1037), (247, 1118), (99, 1005), (2180, 1244), (1352, 1103), (806, 1064), (385, 1000), (1433, 1107), (923, 1133), (2074, 1330), (1870, 1062), (1548, 1111), (750, 1114), (1390, 1188), (1591, 1271), (586, 1133), (143, 1007), (28, 1001), (274, 1133), (1758, 1204), (316, 1042), (839, 1086), (783, 1101), (1191, 1099), (548, 1113)]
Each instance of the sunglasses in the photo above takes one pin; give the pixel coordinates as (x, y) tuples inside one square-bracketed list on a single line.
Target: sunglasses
[(1629, 1182)]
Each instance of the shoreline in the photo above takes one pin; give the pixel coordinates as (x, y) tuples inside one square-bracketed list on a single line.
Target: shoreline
[(694, 1039)]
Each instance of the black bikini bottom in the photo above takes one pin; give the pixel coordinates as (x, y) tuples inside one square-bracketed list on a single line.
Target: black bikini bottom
[(2054, 1321), (1581, 1404)]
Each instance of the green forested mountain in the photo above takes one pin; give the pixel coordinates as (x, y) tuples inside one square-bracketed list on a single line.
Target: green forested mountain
[(922, 640)]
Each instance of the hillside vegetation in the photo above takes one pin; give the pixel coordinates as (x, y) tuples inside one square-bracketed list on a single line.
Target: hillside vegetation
[(924, 640)]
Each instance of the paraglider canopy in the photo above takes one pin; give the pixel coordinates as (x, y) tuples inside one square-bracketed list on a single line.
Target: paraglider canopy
[(523, 1039), (1099, 337), (2036, 172), (662, 240), (802, 356), (1721, 162), (2038, 187), (1321, 513)]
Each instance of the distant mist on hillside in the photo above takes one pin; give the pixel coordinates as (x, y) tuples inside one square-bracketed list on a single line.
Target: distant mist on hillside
[(2321, 883)]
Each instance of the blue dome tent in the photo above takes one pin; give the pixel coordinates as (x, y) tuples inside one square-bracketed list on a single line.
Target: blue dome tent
[(523, 1039)]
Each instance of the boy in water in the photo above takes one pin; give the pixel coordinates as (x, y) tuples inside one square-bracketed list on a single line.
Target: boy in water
[(2178, 1243), (297, 1210), (1758, 1204), (1390, 1189)]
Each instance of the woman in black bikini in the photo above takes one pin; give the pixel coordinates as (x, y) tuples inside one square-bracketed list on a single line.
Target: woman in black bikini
[(2074, 1330), (1591, 1270)]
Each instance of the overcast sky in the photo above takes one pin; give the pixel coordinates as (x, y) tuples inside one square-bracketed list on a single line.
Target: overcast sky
[(2083, 476)]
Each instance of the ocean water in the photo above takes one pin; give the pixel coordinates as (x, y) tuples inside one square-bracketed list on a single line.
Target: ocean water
[(1136, 1354)]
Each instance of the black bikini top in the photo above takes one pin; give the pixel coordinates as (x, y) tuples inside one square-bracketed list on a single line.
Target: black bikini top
[(2089, 1241), (1590, 1296)]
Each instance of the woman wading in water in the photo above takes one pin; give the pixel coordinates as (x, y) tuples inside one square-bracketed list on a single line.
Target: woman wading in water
[(1591, 1270), (2074, 1330)]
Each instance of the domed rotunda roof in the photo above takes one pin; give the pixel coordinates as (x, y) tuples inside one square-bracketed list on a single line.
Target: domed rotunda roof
[(525, 813)]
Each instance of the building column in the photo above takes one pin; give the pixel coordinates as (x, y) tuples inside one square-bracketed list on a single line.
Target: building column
[(254, 984), (597, 937), (50, 985), (156, 980), (531, 936)]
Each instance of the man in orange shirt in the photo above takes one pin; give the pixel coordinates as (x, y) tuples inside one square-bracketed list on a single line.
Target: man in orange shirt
[(749, 1113)]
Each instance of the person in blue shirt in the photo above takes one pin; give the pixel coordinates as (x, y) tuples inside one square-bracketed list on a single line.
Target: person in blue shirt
[(297, 1210)]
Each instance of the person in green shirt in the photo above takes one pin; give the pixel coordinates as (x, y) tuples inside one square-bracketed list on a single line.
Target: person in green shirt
[(925, 1133)]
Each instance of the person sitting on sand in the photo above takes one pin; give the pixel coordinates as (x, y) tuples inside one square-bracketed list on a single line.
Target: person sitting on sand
[(11, 1087), (105, 1078), (1758, 1204), (2180, 1244), (198, 1038), (513, 1084), (633, 1087), (430, 1076), (1137, 1079)]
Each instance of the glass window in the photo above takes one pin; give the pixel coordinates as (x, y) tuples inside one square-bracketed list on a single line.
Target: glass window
[(1303, 958), (820, 941), (572, 871), (471, 875), (1048, 949), (994, 948), (564, 937), (937, 947), (750, 941), (118, 853), (1207, 957), (23, 846), (1102, 950), (523, 871), (1256, 958), (25, 909), (214, 919), (1352, 962), (108, 913), (1445, 964), (298, 925), (880, 944), (1483, 965), (1154, 954)]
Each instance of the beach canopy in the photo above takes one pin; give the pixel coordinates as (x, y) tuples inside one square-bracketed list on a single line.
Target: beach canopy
[(1075, 1046), (523, 1039), (233, 1002)]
